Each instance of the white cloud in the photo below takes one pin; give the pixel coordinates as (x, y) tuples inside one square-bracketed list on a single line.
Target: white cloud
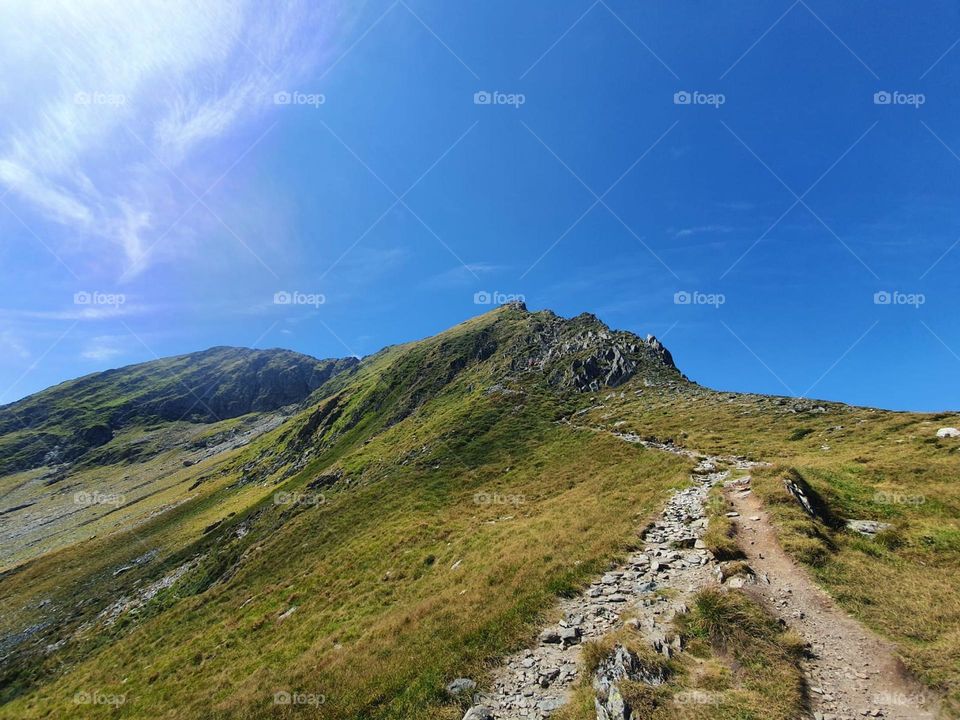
[(10, 342), (462, 275), (62, 206), (702, 229), (103, 347), (79, 313), (87, 85)]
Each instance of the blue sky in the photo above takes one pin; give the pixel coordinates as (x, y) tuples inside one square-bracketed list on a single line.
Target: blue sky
[(169, 171)]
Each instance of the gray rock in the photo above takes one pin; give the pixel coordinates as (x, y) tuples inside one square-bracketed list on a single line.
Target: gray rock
[(549, 705), (479, 712), (550, 636), (569, 636), (617, 708), (948, 432), (867, 527), (461, 686)]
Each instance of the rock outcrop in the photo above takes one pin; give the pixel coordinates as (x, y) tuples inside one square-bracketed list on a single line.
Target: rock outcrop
[(583, 354)]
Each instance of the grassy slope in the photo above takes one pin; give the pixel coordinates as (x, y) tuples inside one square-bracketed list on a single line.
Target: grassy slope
[(371, 572), (383, 618), (866, 464), (414, 438), (133, 490), (207, 386)]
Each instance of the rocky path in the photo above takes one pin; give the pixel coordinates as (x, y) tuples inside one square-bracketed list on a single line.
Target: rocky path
[(852, 673), (535, 682)]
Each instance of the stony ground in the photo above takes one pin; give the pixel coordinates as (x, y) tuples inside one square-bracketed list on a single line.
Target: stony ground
[(536, 681), (851, 673)]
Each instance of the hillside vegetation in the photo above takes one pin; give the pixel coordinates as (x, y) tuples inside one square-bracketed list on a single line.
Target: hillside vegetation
[(62, 423), (416, 518)]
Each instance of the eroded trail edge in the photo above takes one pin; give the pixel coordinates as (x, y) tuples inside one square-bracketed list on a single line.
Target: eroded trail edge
[(851, 673)]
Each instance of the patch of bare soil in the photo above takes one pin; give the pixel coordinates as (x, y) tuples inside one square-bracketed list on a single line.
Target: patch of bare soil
[(852, 673)]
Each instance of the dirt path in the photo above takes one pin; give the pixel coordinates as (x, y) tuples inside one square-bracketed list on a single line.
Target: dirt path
[(853, 673)]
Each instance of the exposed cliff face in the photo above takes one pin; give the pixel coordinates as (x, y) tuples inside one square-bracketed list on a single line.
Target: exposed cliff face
[(62, 423), (584, 354)]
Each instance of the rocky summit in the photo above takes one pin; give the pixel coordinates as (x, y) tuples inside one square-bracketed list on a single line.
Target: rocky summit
[(525, 516)]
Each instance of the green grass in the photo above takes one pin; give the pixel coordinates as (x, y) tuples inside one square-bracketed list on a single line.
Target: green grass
[(738, 665), (449, 511), (886, 466), (720, 537), (357, 570)]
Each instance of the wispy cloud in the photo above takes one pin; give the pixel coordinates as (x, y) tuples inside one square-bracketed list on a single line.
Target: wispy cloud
[(464, 274), (103, 347), (13, 344), (701, 230), (106, 103), (79, 313)]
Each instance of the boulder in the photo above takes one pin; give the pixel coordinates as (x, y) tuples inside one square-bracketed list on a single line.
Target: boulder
[(619, 665), (867, 527), (479, 712), (550, 636), (569, 636), (948, 432), (461, 687)]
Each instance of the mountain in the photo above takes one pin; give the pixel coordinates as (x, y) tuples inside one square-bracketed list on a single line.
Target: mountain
[(63, 423), (417, 516)]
